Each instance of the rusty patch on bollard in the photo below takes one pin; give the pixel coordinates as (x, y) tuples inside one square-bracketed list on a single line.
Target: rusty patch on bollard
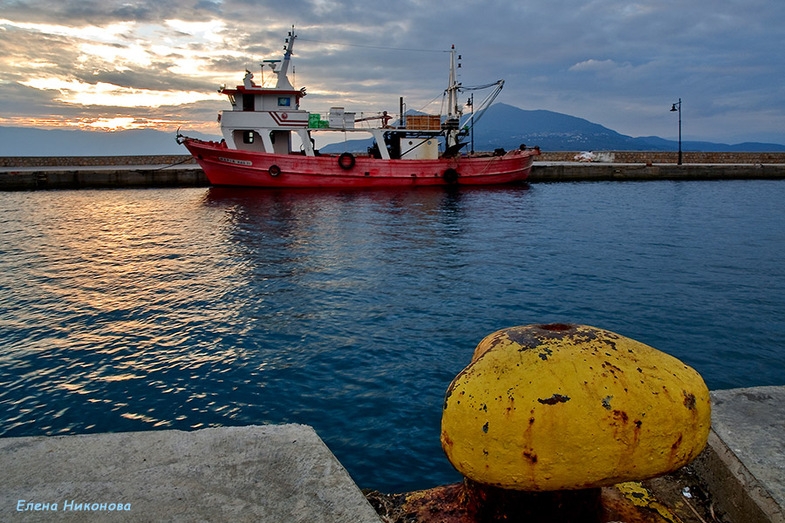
[(530, 338), (553, 400), (689, 400)]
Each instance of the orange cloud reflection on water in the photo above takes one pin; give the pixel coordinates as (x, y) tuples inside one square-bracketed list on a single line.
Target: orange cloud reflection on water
[(129, 277)]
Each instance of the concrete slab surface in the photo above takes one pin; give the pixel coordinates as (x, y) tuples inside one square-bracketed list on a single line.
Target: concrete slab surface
[(276, 473), (285, 473), (744, 465)]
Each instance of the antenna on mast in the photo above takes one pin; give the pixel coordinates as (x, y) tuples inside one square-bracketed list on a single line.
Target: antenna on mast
[(283, 81)]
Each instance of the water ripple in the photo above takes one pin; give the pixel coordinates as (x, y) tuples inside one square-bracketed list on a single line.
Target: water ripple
[(352, 311)]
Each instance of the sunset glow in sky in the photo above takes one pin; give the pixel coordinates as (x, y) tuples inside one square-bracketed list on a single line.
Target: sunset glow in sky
[(148, 64)]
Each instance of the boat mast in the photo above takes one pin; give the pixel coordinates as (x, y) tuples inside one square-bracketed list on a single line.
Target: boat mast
[(452, 124), (452, 90), (283, 80)]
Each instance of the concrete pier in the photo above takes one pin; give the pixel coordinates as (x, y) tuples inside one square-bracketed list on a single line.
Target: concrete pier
[(586, 172), (255, 474), (744, 464), (286, 473), (100, 177)]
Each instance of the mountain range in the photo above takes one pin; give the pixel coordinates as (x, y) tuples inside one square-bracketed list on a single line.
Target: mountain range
[(510, 126), (505, 126), (502, 126)]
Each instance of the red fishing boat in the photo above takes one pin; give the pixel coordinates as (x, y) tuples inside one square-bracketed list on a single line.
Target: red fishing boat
[(261, 133)]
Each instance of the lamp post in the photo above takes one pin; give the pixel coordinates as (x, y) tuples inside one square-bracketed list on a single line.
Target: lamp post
[(677, 107), (471, 104)]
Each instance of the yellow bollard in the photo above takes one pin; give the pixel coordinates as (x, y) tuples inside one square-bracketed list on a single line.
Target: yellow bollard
[(554, 412)]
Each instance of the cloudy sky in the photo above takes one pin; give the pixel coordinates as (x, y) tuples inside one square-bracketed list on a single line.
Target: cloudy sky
[(110, 64)]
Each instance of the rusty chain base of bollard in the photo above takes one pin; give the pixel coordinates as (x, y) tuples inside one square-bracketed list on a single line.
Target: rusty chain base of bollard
[(658, 500), (472, 502)]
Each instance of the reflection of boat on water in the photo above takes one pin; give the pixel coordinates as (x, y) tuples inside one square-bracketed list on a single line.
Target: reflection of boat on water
[(352, 217), (310, 200), (422, 150)]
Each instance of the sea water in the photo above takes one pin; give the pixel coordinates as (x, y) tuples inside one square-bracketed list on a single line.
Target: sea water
[(125, 310)]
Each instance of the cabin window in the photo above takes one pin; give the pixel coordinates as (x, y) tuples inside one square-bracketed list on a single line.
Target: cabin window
[(284, 101), (248, 102), (247, 136)]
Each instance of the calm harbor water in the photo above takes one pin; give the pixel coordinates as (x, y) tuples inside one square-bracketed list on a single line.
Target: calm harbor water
[(151, 309)]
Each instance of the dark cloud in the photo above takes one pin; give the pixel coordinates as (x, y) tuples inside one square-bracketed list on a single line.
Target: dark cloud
[(79, 12), (617, 63)]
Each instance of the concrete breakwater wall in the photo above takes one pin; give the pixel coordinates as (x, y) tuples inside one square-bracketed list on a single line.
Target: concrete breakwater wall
[(93, 161), (80, 172), (688, 157), (106, 178), (574, 172)]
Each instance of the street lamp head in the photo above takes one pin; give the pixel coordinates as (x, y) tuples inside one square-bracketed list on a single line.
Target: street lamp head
[(677, 107)]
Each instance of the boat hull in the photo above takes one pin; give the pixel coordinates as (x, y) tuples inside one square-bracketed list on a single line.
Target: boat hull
[(232, 167)]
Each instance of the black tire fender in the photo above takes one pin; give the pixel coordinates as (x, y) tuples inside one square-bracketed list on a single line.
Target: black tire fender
[(451, 176), (346, 161)]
